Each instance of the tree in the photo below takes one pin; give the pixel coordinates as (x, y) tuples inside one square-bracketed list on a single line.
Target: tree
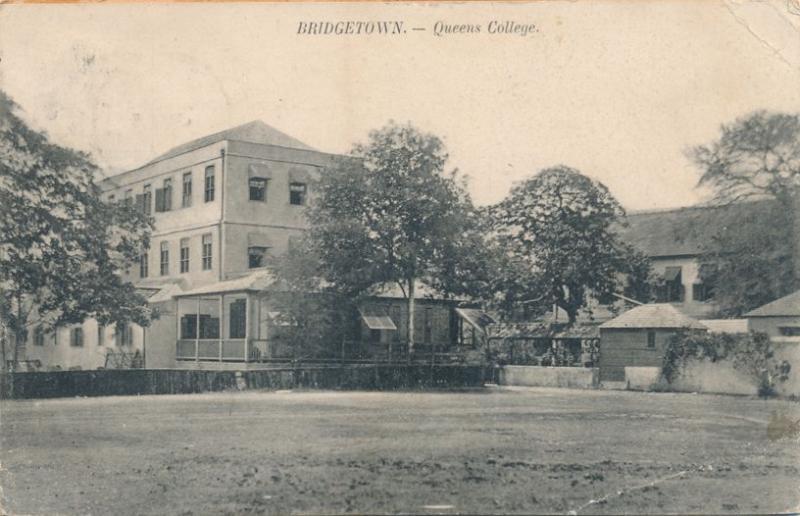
[(391, 213), (557, 229), (62, 248), (312, 314), (755, 257)]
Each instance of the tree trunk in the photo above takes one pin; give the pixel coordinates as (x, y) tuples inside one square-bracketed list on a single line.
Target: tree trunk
[(411, 294)]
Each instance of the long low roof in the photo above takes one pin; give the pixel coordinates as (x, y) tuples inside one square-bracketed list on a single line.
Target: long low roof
[(787, 306), (657, 315)]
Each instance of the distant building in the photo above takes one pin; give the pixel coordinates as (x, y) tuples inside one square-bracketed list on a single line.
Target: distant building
[(780, 319), (674, 240)]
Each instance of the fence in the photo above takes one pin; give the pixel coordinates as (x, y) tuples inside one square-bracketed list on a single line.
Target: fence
[(59, 384)]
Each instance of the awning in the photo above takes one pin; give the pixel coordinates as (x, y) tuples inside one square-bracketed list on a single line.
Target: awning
[(672, 273), (259, 170), (278, 319), (258, 240), (478, 319), (378, 322)]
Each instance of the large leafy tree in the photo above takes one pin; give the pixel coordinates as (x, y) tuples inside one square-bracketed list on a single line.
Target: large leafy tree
[(62, 249), (557, 230), (755, 257), (392, 213)]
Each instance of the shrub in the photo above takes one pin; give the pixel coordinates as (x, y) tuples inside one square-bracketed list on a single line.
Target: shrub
[(749, 353)]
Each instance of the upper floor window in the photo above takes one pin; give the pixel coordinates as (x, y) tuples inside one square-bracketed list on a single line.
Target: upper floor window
[(164, 196), (76, 337), (207, 240), (101, 332), (297, 194), (186, 196), (128, 197), (209, 184), (258, 189), (651, 339), (184, 255), (789, 331), (144, 268), (672, 289), (164, 258), (256, 256), (147, 200)]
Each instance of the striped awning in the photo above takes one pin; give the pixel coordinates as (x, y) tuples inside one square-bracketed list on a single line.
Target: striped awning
[(379, 322)]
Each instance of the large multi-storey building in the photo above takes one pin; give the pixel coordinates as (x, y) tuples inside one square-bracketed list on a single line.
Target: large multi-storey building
[(223, 206)]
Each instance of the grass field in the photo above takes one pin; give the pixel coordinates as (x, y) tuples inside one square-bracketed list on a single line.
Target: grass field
[(494, 451)]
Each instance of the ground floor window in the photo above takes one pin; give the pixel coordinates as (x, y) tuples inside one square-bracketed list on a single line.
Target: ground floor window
[(76, 337)]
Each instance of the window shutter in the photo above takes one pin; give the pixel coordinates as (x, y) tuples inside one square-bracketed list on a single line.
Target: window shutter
[(159, 199), (140, 202)]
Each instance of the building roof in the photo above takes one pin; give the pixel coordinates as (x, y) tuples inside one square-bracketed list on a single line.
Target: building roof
[(253, 132), (392, 290), (683, 231), (787, 306), (255, 281), (660, 315)]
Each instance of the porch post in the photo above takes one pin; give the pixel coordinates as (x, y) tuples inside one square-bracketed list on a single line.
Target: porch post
[(247, 327), (221, 304), (197, 332)]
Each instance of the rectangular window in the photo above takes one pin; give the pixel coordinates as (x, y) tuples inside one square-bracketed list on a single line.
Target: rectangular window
[(164, 258), (256, 257), (147, 200), (209, 185), (76, 337), (258, 189), (184, 255), (128, 198), (207, 252), (167, 194), (789, 331), (101, 332), (651, 339), (672, 289), (38, 336), (237, 319), (186, 196), (297, 194), (428, 325), (123, 335), (144, 266)]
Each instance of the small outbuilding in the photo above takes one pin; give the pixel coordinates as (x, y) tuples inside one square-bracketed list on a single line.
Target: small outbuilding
[(638, 338)]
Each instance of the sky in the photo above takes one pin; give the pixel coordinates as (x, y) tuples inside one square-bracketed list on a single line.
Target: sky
[(619, 90)]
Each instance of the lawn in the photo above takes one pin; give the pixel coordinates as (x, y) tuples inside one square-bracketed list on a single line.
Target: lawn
[(492, 451)]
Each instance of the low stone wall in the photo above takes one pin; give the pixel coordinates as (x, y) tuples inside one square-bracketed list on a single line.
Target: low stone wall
[(537, 376), (704, 376), (59, 384)]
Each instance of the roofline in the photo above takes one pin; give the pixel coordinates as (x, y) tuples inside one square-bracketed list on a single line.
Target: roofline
[(214, 143)]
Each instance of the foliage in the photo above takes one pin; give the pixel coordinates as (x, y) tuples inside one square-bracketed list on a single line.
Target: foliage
[(62, 248), (755, 157), (313, 317), (557, 231), (392, 214), (751, 354), (749, 260)]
